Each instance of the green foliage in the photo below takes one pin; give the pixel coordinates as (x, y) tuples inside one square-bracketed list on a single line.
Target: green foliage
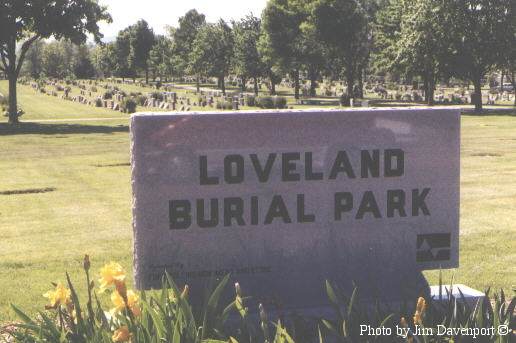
[(30, 21), (107, 95), (167, 316), (161, 59), (128, 105), (184, 37), (158, 96), (212, 51), (479, 32), (247, 61), (343, 28), (140, 99), (269, 102), (279, 102), (344, 99), (224, 105), (265, 102), (141, 41), (250, 100)]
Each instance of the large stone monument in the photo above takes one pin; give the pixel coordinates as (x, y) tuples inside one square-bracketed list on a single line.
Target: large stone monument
[(283, 201)]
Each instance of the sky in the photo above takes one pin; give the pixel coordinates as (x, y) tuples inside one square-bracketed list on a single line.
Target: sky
[(160, 13)]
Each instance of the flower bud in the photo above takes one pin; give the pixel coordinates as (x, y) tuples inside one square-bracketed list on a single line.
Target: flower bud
[(87, 263)]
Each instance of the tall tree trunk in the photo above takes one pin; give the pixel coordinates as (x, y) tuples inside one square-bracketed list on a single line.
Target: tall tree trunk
[(313, 82), (350, 80), (146, 76), (361, 85), (242, 86), (426, 87), (197, 84), (256, 86), (478, 94), (222, 85), (430, 91), (501, 81), (295, 74), (13, 101), (273, 85)]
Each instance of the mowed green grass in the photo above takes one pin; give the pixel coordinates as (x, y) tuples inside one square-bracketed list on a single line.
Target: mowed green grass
[(89, 211), (39, 106)]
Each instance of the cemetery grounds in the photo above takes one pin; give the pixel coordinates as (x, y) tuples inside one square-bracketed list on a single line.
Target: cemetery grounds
[(65, 192)]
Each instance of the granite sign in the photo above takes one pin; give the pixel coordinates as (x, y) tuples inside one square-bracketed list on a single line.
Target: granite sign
[(284, 201)]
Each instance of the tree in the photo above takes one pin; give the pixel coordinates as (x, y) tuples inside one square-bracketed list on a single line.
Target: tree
[(104, 59), (124, 68), (342, 26), (421, 44), (141, 41), (387, 32), (54, 61), (33, 65), (282, 22), (83, 67), (161, 57), (184, 37), (247, 60), (212, 52), (31, 20), (507, 63), (272, 69), (478, 33)]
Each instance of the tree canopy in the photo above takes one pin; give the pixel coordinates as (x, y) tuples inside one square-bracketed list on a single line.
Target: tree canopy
[(30, 20)]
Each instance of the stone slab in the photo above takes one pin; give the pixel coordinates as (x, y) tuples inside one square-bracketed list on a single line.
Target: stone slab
[(471, 296), (368, 195)]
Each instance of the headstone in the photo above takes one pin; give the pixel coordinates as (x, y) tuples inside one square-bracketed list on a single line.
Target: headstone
[(365, 196)]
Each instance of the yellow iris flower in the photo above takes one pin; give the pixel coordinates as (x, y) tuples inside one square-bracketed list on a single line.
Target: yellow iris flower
[(110, 274), (59, 296), (132, 302), (420, 309), (121, 335)]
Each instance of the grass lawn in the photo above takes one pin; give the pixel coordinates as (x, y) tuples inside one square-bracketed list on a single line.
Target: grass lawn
[(41, 106), (84, 205)]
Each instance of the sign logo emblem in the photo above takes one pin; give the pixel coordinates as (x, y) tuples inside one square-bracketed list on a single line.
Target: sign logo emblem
[(433, 247)]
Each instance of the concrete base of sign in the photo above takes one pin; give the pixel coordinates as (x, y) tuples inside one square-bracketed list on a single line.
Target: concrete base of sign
[(461, 292), (469, 295)]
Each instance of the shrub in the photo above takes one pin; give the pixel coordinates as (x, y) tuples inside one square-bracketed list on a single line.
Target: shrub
[(224, 105), (98, 102), (4, 103), (157, 95), (107, 95), (250, 100), (128, 105), (140, 100), (280, 102), (4, 100), (93, 89), (59, 88), (159, 84), (265, 102), (345, 100)]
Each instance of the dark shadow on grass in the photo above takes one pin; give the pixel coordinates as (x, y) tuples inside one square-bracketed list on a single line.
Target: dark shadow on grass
[(28, 191), (58, 129), (126, 164)]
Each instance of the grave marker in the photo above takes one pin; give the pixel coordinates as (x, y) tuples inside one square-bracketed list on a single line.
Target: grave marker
[(284, 201)]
